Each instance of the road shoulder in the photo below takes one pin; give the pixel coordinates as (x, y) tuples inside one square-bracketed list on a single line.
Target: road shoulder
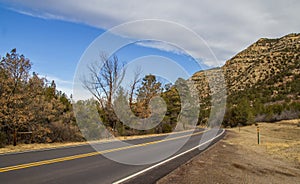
[(229, 162)]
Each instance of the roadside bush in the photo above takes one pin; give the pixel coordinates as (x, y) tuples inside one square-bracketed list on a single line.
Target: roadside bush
[(167, 128)]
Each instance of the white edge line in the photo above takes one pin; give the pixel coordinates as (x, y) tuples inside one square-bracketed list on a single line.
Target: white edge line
[(165, 161)]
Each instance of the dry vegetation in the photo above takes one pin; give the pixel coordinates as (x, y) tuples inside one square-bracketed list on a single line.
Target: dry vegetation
[(30, 147), (281, 139), (238, 158), (41, 146)]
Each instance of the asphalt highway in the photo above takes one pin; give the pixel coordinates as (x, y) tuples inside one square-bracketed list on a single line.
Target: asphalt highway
[(142, 160)]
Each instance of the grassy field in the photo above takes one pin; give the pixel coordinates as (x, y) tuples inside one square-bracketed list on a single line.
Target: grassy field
[(280, 139), (239, 159)]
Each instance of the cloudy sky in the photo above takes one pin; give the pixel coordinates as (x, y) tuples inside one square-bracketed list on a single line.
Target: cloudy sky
[(227, 26)]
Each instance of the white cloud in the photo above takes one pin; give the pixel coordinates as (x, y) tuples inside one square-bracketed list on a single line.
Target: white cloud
[(161, 46), (61, 85), (41, 15), (228, 26)]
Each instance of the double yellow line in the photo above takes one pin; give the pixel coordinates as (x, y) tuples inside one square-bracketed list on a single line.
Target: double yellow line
[(62, 159)]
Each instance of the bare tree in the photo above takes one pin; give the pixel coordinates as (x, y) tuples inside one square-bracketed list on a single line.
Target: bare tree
[(105, 78), (134, 84)]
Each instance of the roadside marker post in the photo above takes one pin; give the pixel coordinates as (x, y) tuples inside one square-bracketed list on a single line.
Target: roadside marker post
[(258, 135)]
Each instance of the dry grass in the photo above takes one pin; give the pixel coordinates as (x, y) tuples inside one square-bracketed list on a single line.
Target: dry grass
[(239, 159), (281, 139), (30, 147)]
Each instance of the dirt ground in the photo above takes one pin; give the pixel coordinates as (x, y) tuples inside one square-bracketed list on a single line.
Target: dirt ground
[(239, 159)]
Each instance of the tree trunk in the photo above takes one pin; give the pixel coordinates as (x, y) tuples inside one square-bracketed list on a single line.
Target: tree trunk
[(15, 137)]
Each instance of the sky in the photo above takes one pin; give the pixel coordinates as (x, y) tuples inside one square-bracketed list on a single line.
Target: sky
[(55, 34)]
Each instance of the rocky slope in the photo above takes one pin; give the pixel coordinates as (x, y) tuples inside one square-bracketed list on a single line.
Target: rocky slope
[(268, 72), (262, 61)]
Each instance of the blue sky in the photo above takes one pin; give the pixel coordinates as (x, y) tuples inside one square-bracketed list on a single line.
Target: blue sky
[(55, 46), (54, 34)]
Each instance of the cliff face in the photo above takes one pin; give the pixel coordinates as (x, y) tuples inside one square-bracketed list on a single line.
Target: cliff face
[(268, 70)]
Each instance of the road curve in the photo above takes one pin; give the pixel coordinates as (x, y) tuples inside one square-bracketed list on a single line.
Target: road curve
[(82, 164)]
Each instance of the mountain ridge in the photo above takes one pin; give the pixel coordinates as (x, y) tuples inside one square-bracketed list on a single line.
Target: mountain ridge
[(267, 71)]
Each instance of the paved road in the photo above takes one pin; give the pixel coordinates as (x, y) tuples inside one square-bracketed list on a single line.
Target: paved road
[(82, 164)]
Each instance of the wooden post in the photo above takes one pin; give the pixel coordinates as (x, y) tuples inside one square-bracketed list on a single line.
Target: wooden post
[(239, 125), (258, 135)]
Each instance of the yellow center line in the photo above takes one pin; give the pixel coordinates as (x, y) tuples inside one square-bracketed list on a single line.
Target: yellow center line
[(62, 159)]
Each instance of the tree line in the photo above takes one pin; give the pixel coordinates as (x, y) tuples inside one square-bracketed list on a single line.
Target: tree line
[(32, 109), (104, 83)]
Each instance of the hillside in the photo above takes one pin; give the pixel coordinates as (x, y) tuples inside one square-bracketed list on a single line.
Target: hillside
[(263, 79), (264, 60)]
